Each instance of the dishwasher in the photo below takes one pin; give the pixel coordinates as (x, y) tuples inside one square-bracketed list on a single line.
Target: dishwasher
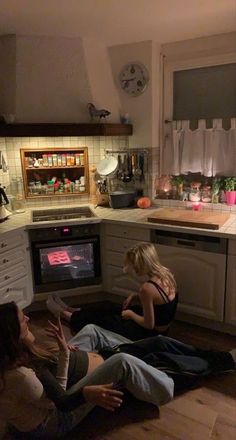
[(198, 263)]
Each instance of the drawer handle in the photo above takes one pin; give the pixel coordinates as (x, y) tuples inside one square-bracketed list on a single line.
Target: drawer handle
[(5, 261), (7, 277), (3, 245)]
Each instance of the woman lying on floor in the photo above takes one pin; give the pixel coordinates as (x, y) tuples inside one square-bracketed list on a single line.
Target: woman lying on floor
[(157, 298), (24, 406), (31, 414)]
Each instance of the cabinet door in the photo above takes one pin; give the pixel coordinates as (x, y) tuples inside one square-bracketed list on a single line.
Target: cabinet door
[(120, 283), (200, 278), (230, 311), (11, 240), (20, 291)]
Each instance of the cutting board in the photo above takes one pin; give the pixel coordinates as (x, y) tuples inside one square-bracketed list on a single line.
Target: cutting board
[(184, 217)]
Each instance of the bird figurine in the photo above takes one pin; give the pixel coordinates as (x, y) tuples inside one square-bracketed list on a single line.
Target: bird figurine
[(97, 113)]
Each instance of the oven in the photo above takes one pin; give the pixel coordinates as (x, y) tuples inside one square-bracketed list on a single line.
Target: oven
[(65, 257)]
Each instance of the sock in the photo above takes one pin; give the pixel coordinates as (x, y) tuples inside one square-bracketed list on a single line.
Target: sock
[(233, 354)]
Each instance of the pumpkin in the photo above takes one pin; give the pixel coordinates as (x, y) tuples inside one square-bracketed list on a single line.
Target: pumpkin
[(144, 202)]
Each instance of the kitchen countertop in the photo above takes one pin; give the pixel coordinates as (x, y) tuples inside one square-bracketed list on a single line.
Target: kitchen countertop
[(128, 216)]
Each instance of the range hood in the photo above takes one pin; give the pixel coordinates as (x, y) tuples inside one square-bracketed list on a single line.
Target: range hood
[(47, 83)]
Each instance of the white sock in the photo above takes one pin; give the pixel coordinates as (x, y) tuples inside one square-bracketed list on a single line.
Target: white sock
[(233, 354)]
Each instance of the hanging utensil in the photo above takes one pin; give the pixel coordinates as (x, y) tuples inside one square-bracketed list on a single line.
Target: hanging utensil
[(119, 168), (126, 176), (137, 172), (141, 165)]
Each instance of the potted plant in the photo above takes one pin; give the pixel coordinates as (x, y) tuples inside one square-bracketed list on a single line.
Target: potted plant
[(216, 186), (177, 182), (230, 192)]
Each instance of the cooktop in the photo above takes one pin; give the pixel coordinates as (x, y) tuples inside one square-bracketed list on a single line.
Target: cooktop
[(80, 212)]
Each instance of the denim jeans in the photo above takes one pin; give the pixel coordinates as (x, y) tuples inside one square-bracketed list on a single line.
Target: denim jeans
[(92, 337)]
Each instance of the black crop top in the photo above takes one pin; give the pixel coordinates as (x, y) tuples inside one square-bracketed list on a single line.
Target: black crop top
[(164, 313)]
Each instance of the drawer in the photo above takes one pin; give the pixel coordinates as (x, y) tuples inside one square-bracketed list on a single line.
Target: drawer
[(133, 233), (16, 291), (120, 244), (13, 273), (115, 258), (11, 258), (12, 240)]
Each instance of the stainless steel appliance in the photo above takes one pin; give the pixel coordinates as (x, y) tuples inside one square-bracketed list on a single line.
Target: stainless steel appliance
[(199, 265), (80, 212), (65, 257)]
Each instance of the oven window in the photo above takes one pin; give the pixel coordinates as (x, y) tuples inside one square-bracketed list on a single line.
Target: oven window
[(67, 262)]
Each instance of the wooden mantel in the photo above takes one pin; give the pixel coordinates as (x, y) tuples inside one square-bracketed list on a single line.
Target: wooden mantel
[(65, 129)]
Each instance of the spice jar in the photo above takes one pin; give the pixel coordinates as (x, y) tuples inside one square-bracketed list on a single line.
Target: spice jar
[(194, 194), (206, 194)]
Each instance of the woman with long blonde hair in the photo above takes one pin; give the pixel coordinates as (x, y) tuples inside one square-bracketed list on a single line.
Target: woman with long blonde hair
[(157, 299)]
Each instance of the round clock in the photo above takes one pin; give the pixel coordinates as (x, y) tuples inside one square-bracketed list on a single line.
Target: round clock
[(134, 78)]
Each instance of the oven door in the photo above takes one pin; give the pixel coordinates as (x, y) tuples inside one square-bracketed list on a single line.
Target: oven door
[(66, 264)]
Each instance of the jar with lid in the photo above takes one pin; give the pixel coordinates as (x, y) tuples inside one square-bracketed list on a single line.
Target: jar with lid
[(206, 195), (194, 194), (15, 189)]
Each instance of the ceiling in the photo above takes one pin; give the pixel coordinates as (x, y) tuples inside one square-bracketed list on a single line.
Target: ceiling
[(118, 21)]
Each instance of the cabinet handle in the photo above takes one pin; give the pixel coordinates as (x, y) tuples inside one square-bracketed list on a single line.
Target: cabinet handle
[(5, 261), (7, 277), (3, 245)]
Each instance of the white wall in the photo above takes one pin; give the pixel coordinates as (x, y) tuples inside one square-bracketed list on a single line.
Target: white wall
[(198, 47), (103, 90), (7, 74), (140, 108)]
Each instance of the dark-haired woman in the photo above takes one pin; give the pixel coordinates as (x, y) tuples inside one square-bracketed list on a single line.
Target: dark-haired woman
[(24, 405)]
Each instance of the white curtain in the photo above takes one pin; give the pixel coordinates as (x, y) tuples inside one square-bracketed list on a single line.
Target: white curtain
[(208, 151)]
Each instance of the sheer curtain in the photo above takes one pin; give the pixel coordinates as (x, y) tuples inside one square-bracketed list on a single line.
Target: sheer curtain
[(210, 151)]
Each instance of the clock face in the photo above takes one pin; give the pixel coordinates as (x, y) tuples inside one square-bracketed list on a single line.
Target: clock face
[(134, 78)]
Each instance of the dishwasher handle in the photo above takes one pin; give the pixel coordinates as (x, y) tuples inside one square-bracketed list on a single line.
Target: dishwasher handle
[(203, 243), (186, 243)]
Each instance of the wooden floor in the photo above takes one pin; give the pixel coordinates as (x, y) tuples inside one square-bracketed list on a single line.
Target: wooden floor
[(208, 412)]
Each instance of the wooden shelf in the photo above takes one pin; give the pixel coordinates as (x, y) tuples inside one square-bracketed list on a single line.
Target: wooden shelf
[(54, 168), (43, 174), (51, 129)]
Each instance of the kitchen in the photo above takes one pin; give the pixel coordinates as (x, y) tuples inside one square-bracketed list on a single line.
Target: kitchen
[(87, 70)]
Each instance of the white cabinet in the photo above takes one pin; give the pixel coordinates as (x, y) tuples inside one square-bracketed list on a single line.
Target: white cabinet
[(200, 278), (230, 305), (15, 269), (117, 239)]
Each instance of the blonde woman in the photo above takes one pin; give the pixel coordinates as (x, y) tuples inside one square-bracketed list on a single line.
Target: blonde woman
[(157, 299)]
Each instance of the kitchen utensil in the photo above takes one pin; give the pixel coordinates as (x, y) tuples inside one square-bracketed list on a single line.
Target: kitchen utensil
[(141, 167), (137, 171), (196, 219), (126, 174), (107, 166), (122, 199), (119, 168), (4, 213)]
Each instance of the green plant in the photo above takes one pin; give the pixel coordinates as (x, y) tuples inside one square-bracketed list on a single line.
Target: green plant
[(177, 180), (230, 183), (216, 185)]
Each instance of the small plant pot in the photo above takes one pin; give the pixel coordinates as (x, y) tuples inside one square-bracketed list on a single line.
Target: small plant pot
[(230, 197)]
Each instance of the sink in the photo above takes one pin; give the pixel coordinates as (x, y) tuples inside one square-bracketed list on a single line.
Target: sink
[(80, 212)]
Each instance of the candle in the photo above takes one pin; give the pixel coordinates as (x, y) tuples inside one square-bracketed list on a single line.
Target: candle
[(196, 206)]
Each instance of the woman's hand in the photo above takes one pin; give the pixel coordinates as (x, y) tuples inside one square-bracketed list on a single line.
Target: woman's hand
[(127, 302), (127, 314), (103, 395), (58, 333)]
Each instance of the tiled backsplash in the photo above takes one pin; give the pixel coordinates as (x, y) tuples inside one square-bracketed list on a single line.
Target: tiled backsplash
[(96, 147)]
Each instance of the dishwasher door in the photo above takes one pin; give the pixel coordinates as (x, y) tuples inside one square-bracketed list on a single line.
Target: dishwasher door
[(199, 266)]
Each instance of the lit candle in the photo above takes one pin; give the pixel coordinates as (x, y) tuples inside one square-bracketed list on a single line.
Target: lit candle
[(196, 206)]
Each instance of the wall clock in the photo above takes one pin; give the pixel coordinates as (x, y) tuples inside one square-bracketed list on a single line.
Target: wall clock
[(133, 78)]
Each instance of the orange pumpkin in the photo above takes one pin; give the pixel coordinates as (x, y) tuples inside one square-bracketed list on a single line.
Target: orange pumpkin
[(144, 202)]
